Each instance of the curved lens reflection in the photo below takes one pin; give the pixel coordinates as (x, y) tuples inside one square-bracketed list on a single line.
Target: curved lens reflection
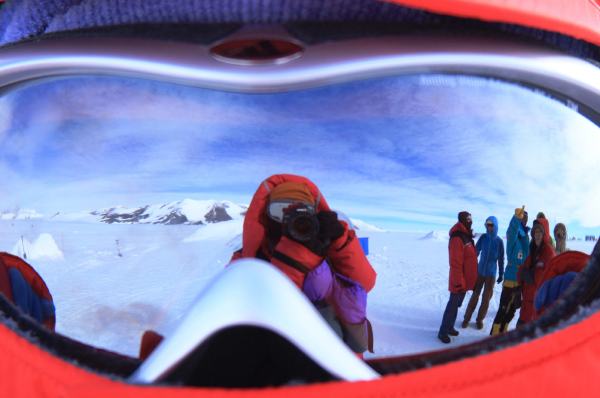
[(128, 196)]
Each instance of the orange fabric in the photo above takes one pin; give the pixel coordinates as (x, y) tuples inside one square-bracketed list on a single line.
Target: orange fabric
[(31, 277), (29, 274), (463, 262), (572, 352), (299, 253), (565, 262), (346, 254), (5, 286), (579, 19), (254, 221), (348, 258), (570, 261), (292, 191)]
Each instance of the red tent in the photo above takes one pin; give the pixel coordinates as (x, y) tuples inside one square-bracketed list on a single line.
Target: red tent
[(562, 362)]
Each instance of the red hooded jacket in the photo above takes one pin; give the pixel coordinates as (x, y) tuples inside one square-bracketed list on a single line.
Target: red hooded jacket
[(463, 260), (537, 262), (345, 254)]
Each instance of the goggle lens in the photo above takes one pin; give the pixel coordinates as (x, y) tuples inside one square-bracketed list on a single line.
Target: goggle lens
[(277, 210)]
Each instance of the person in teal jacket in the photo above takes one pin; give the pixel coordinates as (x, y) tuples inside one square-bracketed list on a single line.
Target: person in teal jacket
[(490, 249), (517, 250)]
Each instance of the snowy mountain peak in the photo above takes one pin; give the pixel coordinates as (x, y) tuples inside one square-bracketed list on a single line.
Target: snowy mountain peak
[(435, 235), (186, 211)]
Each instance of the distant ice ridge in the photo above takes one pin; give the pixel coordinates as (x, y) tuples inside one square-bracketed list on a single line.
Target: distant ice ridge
[(20, 214), (230, 231), (435, 235), (363, 226), (44, 247)]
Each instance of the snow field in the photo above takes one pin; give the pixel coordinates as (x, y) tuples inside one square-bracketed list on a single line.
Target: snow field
[(113, 282)]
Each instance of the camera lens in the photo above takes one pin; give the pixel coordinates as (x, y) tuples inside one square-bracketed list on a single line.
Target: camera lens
[(303, 227)]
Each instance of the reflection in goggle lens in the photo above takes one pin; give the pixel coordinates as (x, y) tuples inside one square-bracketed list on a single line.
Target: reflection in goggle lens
[(128, 186)]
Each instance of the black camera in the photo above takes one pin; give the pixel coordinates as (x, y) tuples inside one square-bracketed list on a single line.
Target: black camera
[(301, 223)]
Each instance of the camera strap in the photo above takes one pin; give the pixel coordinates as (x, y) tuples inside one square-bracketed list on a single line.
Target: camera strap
[(291, 262)]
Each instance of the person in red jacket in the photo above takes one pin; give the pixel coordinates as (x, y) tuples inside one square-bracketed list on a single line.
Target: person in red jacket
[(290, 225), (532, 271), (463, 272)]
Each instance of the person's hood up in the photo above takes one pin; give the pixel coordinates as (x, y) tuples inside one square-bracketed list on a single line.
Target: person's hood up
[(543, 225), (513, 226), (254, 222), (546, 224), (493, 220)]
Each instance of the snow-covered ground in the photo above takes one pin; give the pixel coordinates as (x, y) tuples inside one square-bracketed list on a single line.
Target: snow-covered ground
[(111, 282)]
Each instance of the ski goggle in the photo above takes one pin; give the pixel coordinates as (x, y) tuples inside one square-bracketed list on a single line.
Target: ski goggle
[(88, 125), (277, 209)]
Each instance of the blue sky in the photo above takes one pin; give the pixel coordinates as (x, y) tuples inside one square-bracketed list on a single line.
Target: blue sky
[(403, 153)]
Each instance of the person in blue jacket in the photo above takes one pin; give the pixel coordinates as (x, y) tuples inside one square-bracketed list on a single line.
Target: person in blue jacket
[(490, 249), (517, 250)]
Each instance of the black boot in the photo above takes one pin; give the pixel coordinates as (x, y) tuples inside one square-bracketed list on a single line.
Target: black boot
[(444, 338)]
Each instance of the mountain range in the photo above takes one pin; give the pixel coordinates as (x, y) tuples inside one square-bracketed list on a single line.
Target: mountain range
[(186, 211)]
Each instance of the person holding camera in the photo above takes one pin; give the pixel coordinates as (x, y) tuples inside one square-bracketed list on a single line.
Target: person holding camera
[(290, 225)]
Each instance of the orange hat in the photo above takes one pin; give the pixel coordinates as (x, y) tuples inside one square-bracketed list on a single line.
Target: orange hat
[(520, 212), (292, 191)]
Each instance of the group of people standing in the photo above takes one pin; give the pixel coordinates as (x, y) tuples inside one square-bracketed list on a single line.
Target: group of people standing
[(473, 267)]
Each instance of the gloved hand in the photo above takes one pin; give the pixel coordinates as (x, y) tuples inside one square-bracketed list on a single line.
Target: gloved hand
[(527, 275), (500, 278), (316, 239), (330, 227)]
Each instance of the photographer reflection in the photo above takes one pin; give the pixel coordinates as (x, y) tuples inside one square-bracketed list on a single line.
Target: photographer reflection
[(290, 225)]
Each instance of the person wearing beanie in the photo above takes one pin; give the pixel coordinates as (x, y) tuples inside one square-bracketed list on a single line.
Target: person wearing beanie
[(490, 249), (531, 273), (463, 272), (560, 237), (290, 225), (517, 250)]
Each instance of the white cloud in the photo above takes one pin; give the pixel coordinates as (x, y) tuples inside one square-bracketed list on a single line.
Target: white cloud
[(406, 152)]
